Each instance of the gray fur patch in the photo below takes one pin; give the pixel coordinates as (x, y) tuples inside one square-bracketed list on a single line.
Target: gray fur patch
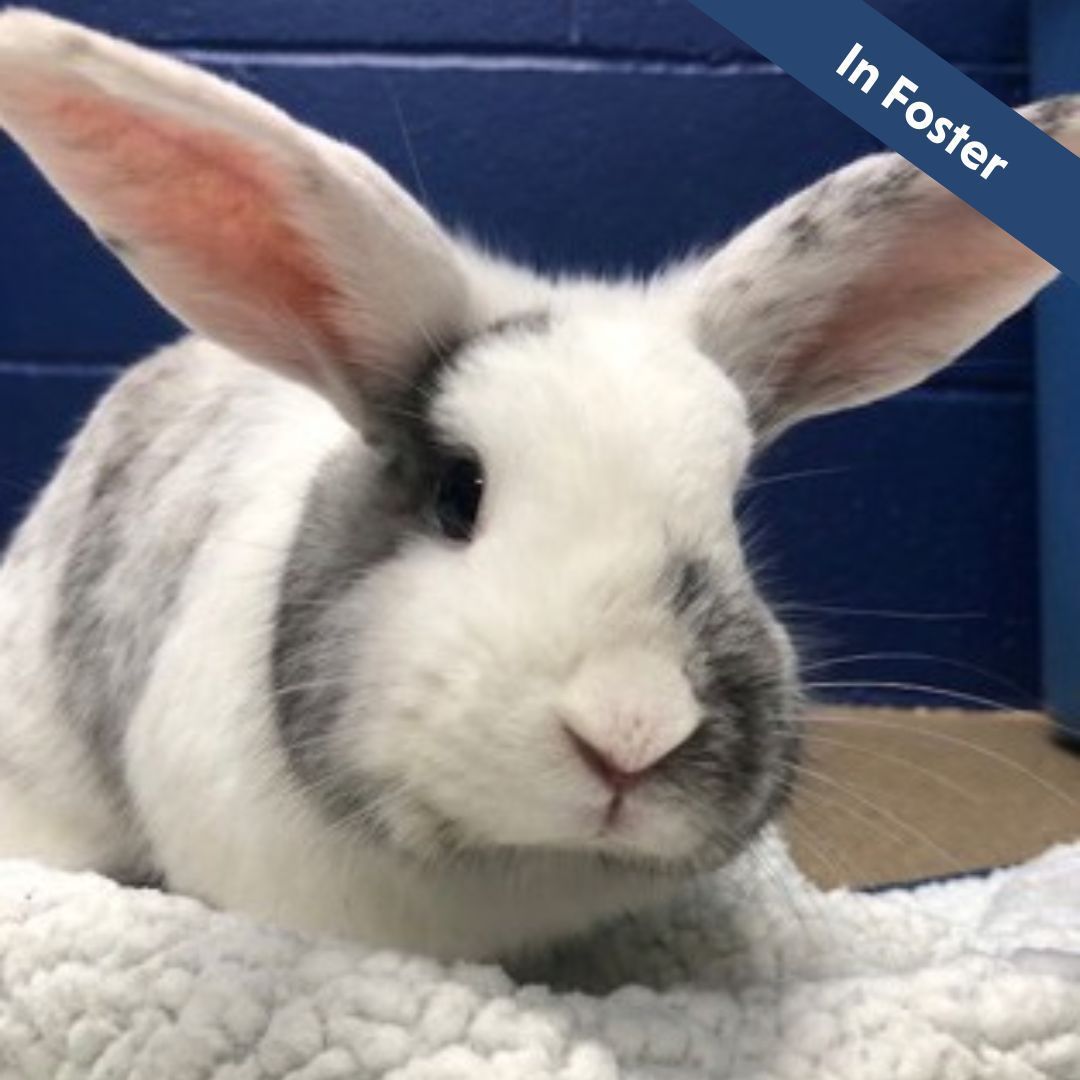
[(1053, 113), (397, 413), (357, 515), (119, 247), (120, 580), (889, 193), (805, 233), (738, 764)]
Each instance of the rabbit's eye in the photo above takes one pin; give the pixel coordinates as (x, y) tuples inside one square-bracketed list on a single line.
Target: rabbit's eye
[(459, 489)]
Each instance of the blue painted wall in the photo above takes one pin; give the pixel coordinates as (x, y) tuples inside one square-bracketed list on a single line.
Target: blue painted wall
[(607, 134), (1055, 69)]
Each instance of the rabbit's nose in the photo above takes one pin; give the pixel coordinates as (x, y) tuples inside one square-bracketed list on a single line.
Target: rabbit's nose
[(603, 764), (624, 711)]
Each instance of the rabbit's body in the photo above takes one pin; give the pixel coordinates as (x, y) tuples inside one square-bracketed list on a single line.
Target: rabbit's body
[(414, 607), (94, 586)]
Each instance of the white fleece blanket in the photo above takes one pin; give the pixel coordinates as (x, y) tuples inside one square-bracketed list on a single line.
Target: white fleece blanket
[(755, 976)]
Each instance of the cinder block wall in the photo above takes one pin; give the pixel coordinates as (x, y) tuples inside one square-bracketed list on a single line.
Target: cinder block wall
[(605, 134)]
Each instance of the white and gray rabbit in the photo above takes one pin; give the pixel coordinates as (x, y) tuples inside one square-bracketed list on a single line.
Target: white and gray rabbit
[(407, 602)]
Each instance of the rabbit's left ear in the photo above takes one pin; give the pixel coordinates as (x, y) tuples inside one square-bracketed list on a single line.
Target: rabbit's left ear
[(296, 251), (862, 285)]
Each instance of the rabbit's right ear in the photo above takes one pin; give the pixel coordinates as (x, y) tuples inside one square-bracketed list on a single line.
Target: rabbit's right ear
[(296, 251), (862, 285)]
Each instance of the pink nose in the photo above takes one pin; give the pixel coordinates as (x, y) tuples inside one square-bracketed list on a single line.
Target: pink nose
[(601, 766)]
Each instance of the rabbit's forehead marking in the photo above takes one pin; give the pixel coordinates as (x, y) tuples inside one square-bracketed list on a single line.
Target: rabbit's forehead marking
[(401, 418)]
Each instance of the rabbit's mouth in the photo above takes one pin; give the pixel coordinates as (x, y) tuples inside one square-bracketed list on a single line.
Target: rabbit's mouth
[(657, 830)]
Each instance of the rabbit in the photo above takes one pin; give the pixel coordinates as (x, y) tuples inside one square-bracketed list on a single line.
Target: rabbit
[(405, 600)]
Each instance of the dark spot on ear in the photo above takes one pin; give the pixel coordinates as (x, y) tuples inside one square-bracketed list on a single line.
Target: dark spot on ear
[(119, 247), (74, 46), (888, 193), (1050, 114), (312, 181), (768, 309), (741, 285), (804, 231)]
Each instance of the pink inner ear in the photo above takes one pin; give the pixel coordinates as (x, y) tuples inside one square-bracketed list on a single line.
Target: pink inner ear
[(198, 200)]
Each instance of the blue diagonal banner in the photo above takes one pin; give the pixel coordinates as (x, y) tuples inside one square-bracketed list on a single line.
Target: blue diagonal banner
[(925, 109)]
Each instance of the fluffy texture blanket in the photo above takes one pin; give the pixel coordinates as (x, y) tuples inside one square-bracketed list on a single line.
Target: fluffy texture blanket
[(755, 975)]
